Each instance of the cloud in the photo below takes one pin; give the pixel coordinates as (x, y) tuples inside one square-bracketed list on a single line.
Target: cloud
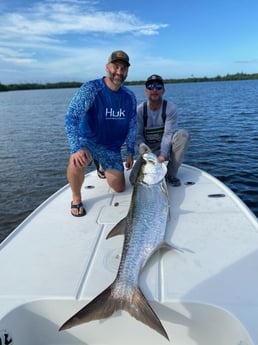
[(48, 34), (53, 19), (255, 61)]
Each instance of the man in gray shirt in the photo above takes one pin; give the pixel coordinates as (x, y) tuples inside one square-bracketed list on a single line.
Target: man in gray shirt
[(157, 128)]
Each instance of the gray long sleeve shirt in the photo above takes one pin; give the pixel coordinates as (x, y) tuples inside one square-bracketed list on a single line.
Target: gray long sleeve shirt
[(154, 120)]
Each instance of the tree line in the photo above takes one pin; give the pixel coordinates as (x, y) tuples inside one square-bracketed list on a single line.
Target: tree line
[(35, 86), (74, 84)]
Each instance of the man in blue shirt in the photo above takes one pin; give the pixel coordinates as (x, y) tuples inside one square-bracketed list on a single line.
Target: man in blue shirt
[(100, 119)]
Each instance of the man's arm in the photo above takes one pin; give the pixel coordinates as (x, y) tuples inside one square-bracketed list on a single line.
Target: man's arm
[(169, 130)]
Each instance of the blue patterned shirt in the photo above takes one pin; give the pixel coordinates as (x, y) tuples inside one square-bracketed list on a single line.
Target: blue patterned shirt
[(102, 116)]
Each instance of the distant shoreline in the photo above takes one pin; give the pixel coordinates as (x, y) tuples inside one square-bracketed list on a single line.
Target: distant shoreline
[(74, 84)]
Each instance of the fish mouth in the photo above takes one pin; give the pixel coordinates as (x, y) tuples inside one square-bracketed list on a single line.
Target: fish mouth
[(149, 157), (152, 171)]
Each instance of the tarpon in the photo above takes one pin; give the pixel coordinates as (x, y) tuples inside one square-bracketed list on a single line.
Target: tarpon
[(144, 229)]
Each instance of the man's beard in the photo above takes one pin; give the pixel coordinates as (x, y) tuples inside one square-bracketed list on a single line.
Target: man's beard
[(118, 81)]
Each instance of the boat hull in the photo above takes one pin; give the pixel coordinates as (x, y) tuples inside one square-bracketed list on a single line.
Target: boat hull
[(53, 264), (187, 324)]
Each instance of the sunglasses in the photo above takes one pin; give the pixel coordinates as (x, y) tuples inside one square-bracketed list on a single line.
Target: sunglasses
[(154, 86)]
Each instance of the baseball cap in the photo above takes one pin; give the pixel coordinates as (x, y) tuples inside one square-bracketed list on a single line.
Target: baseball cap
[(154, 78), (119, 55)]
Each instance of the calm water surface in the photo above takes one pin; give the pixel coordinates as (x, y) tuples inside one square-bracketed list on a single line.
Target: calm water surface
[(222, 118)]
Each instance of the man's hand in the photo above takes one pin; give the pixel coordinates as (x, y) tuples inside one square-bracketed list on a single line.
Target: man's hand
[(129, 162), (161, 159), (81, 158)]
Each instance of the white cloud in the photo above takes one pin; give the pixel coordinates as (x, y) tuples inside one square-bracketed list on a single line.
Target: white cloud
[(56, 36), (53, 19)]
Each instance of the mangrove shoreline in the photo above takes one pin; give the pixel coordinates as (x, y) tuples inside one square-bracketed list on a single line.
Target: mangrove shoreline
[(75, 84)]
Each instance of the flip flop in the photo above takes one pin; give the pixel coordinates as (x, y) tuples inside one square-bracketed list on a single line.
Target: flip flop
[(100, 172), (78, 207)]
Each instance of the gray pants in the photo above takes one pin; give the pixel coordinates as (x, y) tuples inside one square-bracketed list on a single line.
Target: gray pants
[(179, 144)]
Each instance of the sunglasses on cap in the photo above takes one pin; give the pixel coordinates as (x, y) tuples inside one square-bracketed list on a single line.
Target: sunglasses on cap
[(154, 86)]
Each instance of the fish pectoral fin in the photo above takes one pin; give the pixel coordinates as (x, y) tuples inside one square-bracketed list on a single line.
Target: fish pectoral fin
[(118, 229), (164, 189), (135, 171)]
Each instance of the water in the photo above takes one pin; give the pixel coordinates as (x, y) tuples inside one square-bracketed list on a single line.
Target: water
[(222, 118)]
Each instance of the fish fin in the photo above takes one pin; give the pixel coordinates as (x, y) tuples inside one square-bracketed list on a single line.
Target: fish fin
[(135, 171), (167, 246), (175, 247), (104, 305), (141, 310), (164, 188), (100, 307), (118, 229), (163, 246)]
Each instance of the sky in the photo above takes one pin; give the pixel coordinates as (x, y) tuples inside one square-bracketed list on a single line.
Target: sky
[(70, 40)]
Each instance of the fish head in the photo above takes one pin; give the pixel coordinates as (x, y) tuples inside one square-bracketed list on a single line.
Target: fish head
[(152, 171)]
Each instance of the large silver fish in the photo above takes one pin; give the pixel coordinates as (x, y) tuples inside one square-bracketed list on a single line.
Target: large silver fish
[(144, 229)]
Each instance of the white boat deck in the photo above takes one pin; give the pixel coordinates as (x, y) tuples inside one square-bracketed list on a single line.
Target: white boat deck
[(53, 264)]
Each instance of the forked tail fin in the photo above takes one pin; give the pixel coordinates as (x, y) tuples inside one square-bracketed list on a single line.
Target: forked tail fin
[(142, 311), (104, 305)]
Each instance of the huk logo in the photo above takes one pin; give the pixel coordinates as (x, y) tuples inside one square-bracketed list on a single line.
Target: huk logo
[(114, 115), (5, 338)]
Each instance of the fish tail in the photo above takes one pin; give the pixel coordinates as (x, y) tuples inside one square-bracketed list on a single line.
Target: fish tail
[(105, 304), (140, 309), (100, 307)]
